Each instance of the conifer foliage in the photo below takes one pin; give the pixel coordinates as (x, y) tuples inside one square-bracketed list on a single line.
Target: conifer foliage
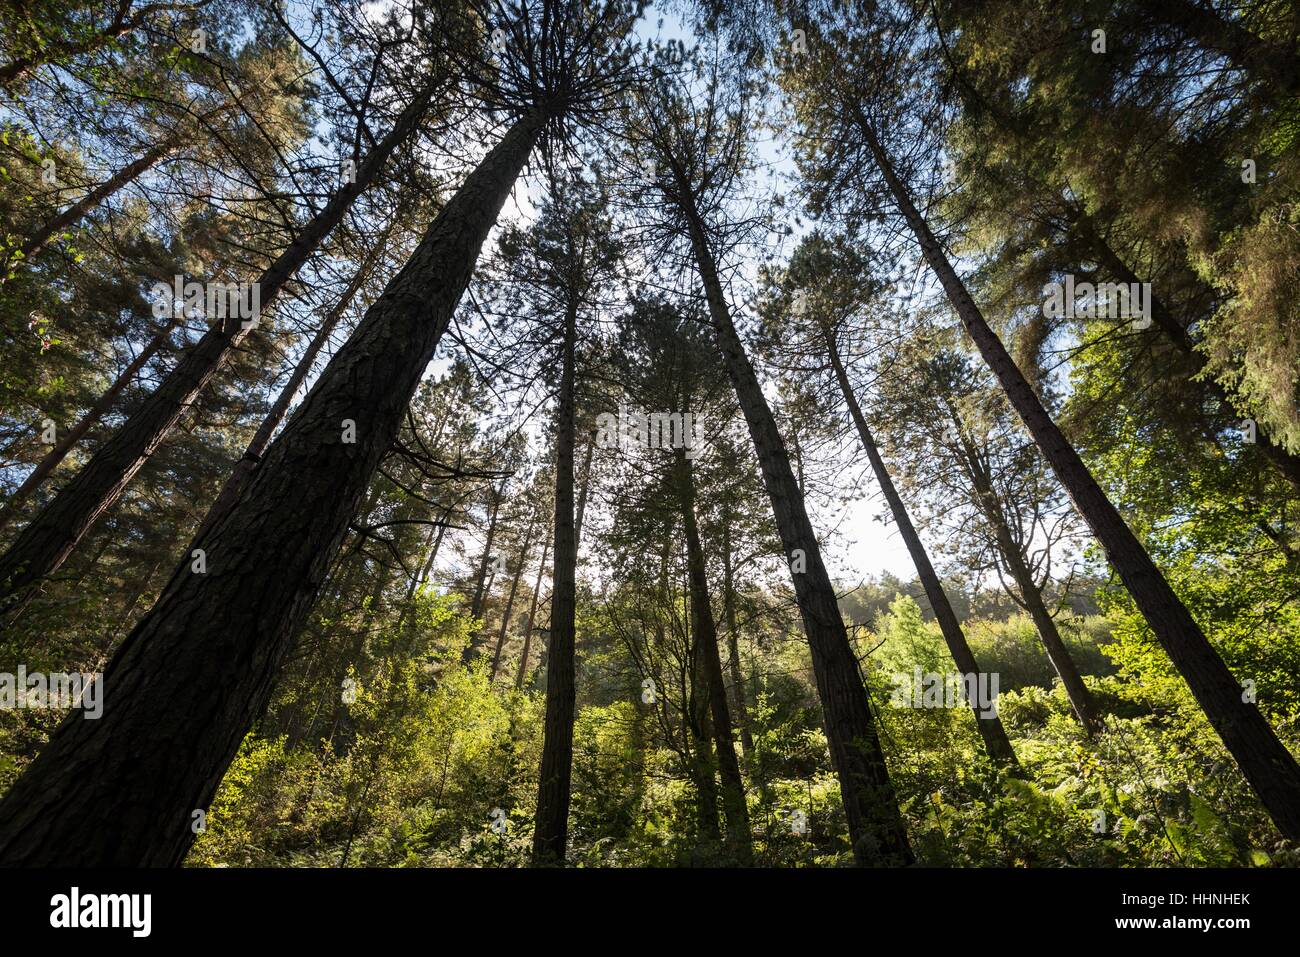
[(694, 433)]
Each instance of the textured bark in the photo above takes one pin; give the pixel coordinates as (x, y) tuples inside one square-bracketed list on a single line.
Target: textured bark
[(990, 727), (532, 615), (194, 674), (1268, 766), (74, 435), (734, 805), (50, 538), (551, 834), (871, 807), (247, 463)]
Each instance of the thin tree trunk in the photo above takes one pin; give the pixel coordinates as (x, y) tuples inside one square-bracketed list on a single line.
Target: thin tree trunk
[(987, 721), (433, 541), (247, 463), (733, 643), (510, 599), (875, 823), (437, 546), (47, 541), (342, 733), (135, 598), (1081, 699), (1031, 597), (119, 26), (484, 580), (532, 614), (697, 726), (128, 174), (481, 581), (92, 200), (550, 837), (196, 672), (583, 488), (734, 805), (342, 577), (703, 768), (1267, 764), (51, 461)]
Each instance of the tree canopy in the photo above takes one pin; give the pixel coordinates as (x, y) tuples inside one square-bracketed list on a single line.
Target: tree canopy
[(772, 432)]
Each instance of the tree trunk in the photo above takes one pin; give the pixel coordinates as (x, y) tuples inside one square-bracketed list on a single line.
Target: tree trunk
[(48, 540), (1267, 764), (1031, 596), (550, 837), (990, 726), (870, 805), (532, 614), (1230, 40), (698, 727), (427, 570), (699, 744), (510, 600), (733, 643), (119, 26), (433, 542), (734, 805), (1081, 699), (74, 435), (247, 463), (481, 580), (92, 200), (1287, 464), (583, 489), (196, 672)]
